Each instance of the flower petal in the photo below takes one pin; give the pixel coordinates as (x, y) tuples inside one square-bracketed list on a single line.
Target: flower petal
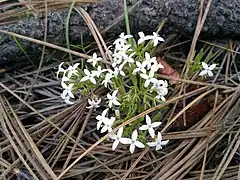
[(125, 140), (120, 131), (152, 144), (148, 120), (143, 127), (159, 136), (203, 73), (87, 72), (156, 124), (163, 143), (204, 65), (115, 144), (115, 102), (134, 135), (210, 73), (105, 112), (212, 66), (109, 96), (93, 80), (139, 144), (71, 94), (99, 123), (141, 34), (158, 147), (104, 129), (132, 148), (84, 79), (147, 56), (151, 132)]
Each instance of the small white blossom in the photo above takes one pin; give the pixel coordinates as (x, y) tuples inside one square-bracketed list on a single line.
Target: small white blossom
[(101, 118), (107, 79), (60, 69), (108, 124), (67, 100), (121, 42), (162, 91), (117, 59), (149, 61), (65, 78), (158, 142), (155, 67), (117, 138), (67, 90), (94, 60), (113, 99), (118, 70), (89, 76), (94, 103), (98, 72), (150, 126), (207, 69), (148, 79), (129, 59), (133, 141), (122, 36), (142, 38), (156, 38), (140, 67), (72, 70)]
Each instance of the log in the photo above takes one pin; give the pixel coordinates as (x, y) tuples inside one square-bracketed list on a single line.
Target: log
[(145, 15)]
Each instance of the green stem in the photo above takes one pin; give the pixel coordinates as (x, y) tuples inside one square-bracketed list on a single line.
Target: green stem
[(126, 17), (67, 28)]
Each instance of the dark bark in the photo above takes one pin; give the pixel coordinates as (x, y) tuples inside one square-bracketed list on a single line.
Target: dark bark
[(181, 16)]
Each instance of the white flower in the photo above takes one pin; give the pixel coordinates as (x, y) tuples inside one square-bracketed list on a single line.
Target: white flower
[(67, 90), (150, 126), (113, 99), (94, 103), (118, 70), (98, 72), (129, 59), (101, 118), (162, 91), (89, 76), (140, 67), (121, 42), (107, 79), (158, 84), (107, 124), (67, 100), (148, 78), (72, 70), (122, 36), (155, 67), (60, 69), (156, 38), (117, 138), (94, 60), (133, 141), (207, 69), (65, 78), (142, 38), (158, 142), (149, 61)]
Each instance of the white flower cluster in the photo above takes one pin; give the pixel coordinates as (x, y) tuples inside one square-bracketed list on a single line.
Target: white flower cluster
[(126, 62), (66, 77), (133, 141)]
